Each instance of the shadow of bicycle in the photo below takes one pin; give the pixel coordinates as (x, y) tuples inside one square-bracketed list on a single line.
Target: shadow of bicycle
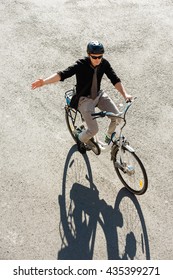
[(81, 211)]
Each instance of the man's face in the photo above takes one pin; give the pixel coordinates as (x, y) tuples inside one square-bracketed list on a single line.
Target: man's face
[(95, 59)]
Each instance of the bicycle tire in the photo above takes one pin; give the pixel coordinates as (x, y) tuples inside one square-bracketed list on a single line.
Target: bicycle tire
[(141, 180), (70, 115)]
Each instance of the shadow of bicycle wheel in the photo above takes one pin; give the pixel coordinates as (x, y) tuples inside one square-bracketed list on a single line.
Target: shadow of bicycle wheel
[(78, 208), (133, 240)]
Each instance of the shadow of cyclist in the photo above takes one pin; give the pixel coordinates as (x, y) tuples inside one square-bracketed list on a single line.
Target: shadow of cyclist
[(79, 226), (81, 210)]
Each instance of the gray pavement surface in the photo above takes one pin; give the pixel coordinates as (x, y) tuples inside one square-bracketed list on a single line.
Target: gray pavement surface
[(40, 169)]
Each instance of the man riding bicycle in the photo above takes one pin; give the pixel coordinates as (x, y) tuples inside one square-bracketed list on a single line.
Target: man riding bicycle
[(89, 72)]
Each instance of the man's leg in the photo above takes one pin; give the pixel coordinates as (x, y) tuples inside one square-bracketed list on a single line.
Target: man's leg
[(87, 107), (106, 104)]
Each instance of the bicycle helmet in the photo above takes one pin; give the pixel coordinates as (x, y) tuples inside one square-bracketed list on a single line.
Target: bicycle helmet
[(95, 47)]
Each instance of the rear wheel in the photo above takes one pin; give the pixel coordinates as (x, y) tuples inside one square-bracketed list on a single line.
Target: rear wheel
[(72, 119), (130, 171)]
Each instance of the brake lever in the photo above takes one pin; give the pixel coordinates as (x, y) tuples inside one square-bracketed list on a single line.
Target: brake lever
[(96, 118)]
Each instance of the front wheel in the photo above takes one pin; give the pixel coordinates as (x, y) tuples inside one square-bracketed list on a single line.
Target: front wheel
[(130, 171)]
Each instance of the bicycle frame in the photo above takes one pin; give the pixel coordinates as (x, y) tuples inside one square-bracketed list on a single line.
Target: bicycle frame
[(120, 115)]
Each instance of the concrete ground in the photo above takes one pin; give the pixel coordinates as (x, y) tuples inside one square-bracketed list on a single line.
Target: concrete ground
[(54, 202)]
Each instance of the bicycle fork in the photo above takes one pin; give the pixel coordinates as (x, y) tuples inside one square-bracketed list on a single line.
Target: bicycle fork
[(122, 146)]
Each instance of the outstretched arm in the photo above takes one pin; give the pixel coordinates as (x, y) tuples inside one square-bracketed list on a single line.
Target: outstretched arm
[(119, 86), (50, 80)]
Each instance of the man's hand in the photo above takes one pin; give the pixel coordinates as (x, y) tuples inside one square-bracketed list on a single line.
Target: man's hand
[(128, 97), (37, 83)]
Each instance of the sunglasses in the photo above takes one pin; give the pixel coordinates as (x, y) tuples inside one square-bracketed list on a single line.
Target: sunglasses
[(96, 57)]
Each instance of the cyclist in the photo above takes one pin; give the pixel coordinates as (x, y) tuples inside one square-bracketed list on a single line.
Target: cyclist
[(89, 72)]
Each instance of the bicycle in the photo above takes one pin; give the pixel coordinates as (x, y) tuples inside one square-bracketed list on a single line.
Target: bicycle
[(127, 164)]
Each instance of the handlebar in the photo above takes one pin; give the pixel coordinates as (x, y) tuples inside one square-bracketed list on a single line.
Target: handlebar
[(102, 114)]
